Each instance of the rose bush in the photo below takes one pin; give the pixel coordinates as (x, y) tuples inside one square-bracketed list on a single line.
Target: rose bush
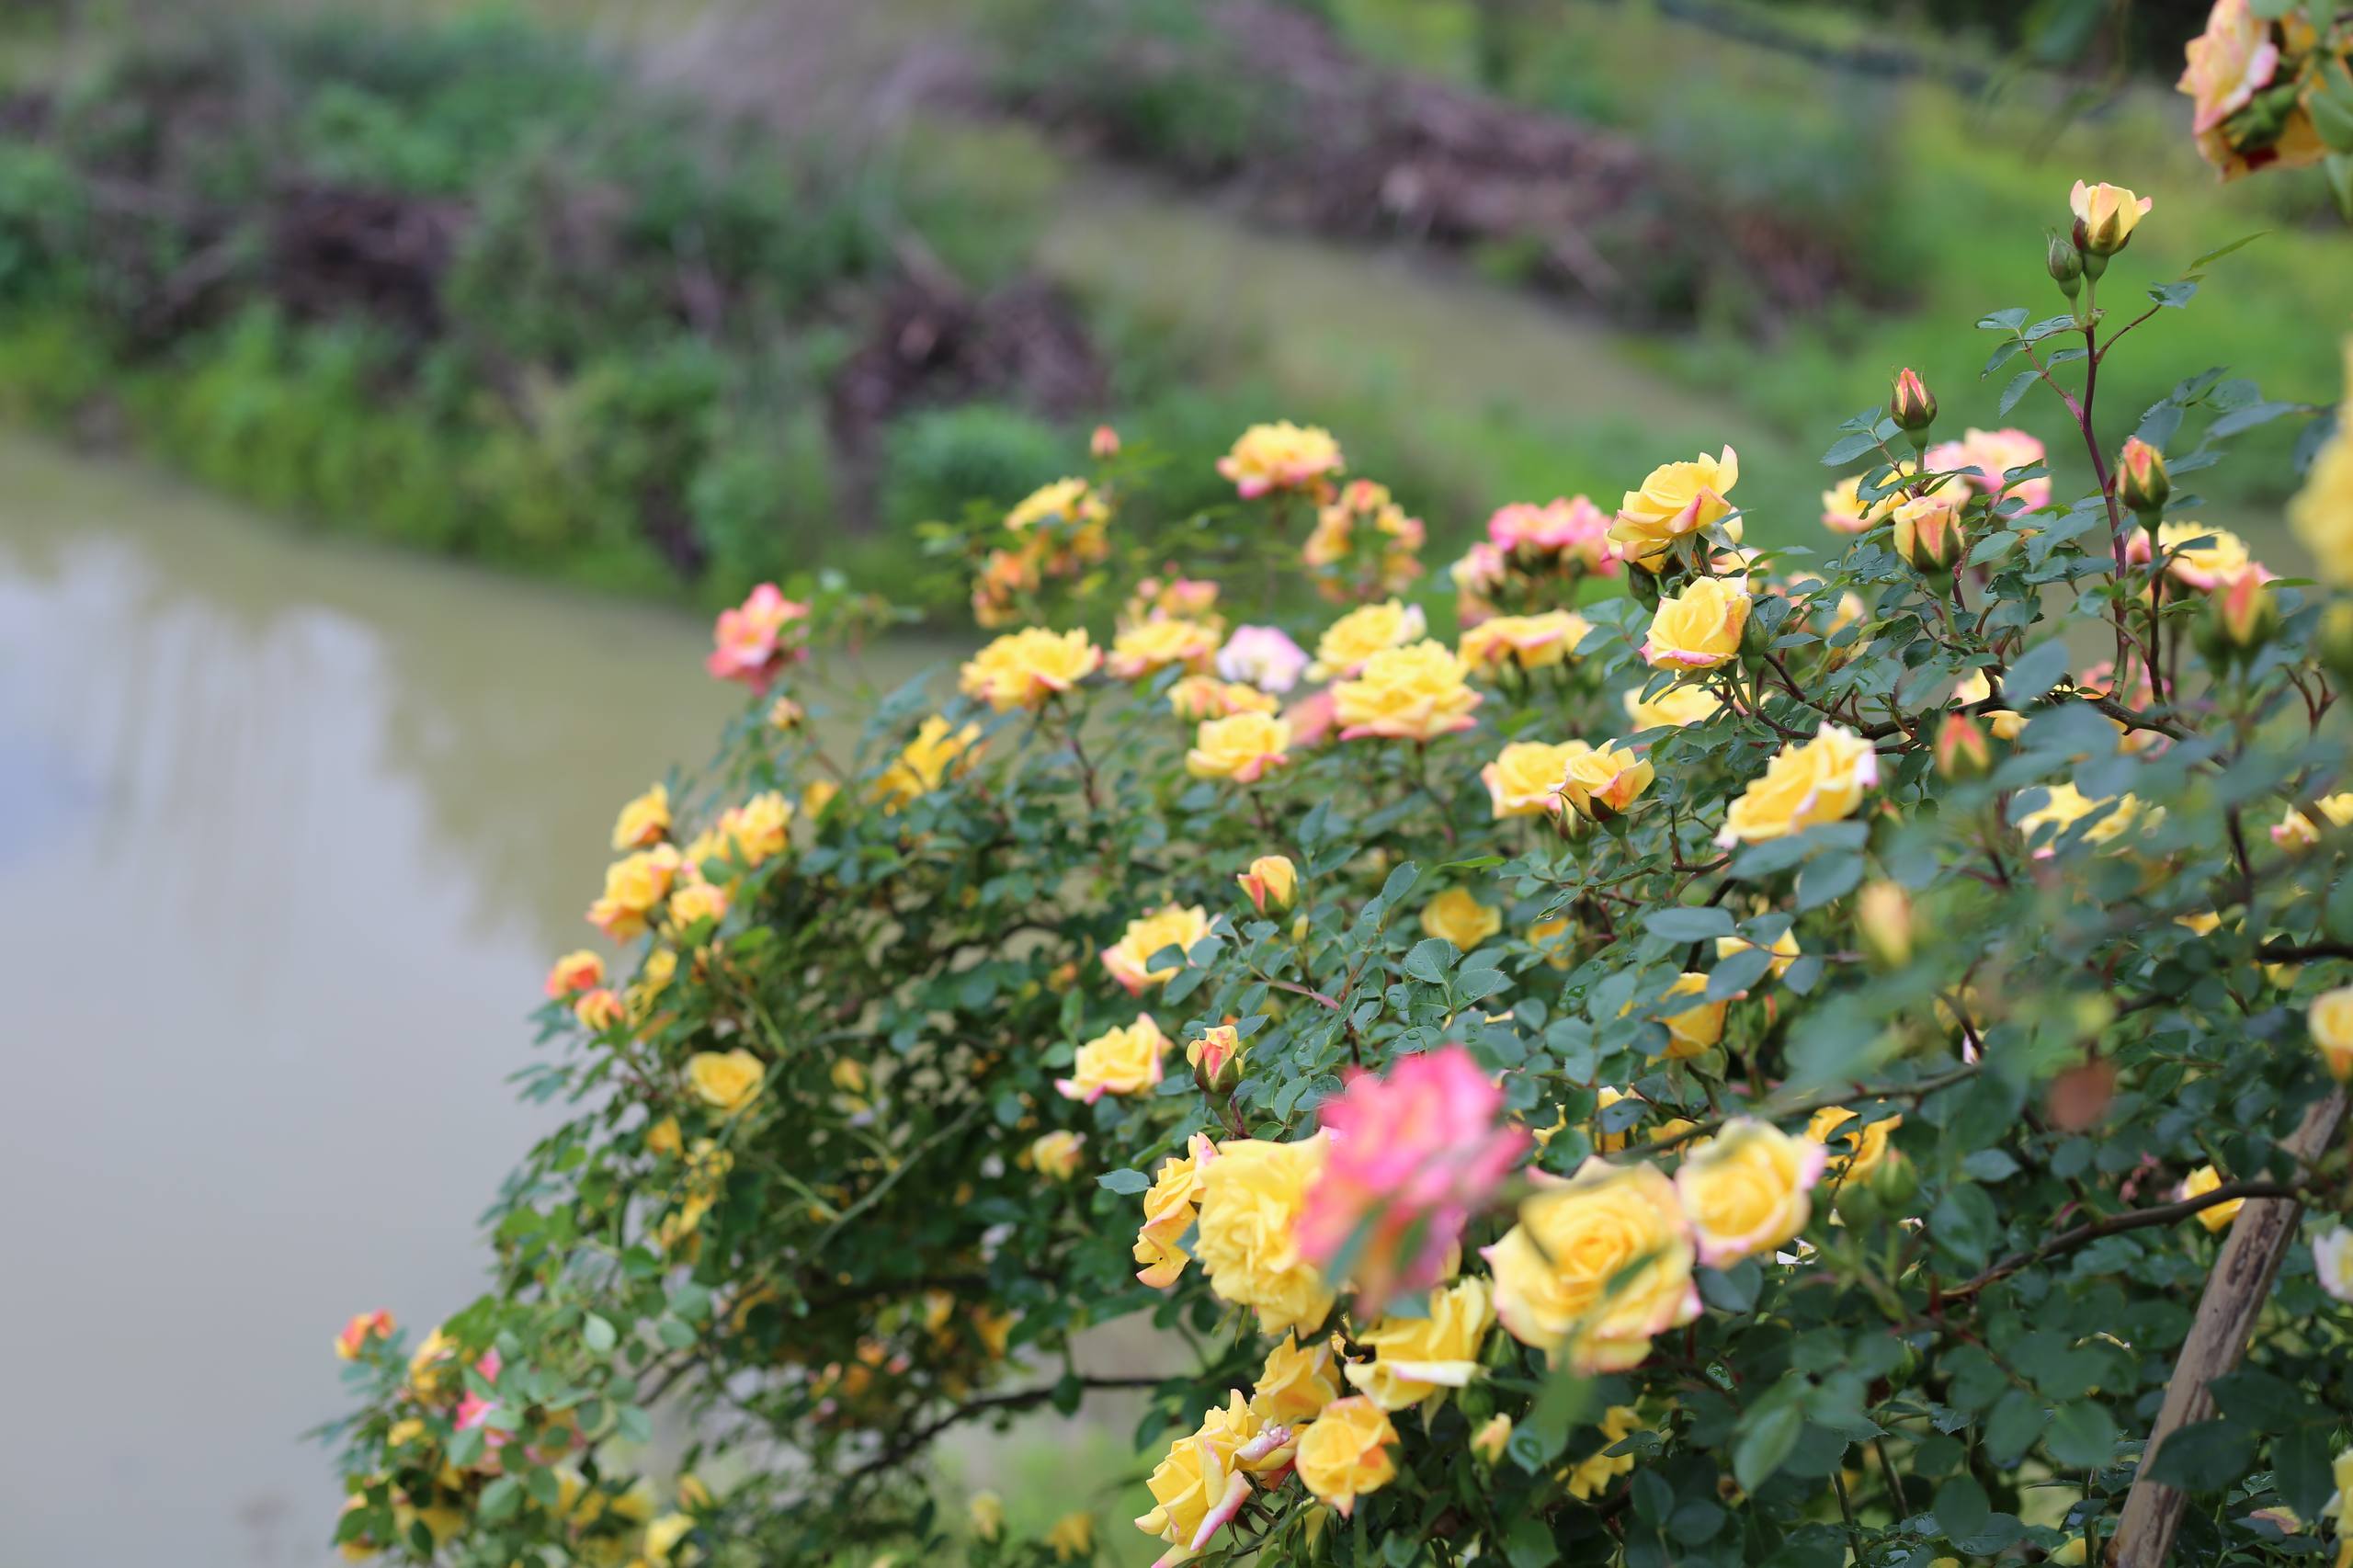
[(1747, 1053)]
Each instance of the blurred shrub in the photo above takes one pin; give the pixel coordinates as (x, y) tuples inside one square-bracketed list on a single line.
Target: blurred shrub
[(940, 459)]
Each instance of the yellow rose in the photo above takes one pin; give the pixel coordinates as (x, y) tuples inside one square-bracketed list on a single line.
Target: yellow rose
[(1415, 693), (1699, 628), (987, 1511), (1117, 1062), (1356, 636), (1196, 1489), (1597, 1469), (1296, 1383), (937, 754), (1271, 882), (1601, 782), (2295, 833), (633, 885), (643, 821), (1844, 511), (1524, 778), (2063, 805), (662, 1138), (2106, 216), (1869, 1150), (1819, 780), (693, 904), (1532, 642), (1414, 1358), (1784, 949), (2330, 1021), (1024, 668), (1179, 925), (1975, 688), (1555, 938), (1557, 1272), (1695, 1031), (1168, 1213), (758, 826), (1072, 1538), (1206, 697), (1244, 748), (2204, 567), (1252, 1194), (2215, 1215), (663, 1536), (1343, 1454), (1056, 1154), (1678, 705), (1460, 919), (727, 1080), (1747, 1190), (1677, 499), (1280, 456), (1153, 645), (1070, 501), (1493, 1437)]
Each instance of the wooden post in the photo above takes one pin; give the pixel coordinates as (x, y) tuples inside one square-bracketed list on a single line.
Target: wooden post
[(2234, 1295)]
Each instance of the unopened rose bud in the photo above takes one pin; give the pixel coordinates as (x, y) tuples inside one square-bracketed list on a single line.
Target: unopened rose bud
[(2142, 482), (1963, 749), (1271, 882), (1912, 405), (1884, 920), (1489, 1441), (1105, 443), (1216, 1057), (2105, 216), (2065, 263), (2240, 618), (1928, 534)]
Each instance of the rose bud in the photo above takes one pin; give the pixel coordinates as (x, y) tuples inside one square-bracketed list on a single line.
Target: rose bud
[(1963, 750), (2105, 216), (1912, 405), (2065, 265), (1883, 919), (1928, 534), (2240, 618), (1105, 443), (2142, 482)]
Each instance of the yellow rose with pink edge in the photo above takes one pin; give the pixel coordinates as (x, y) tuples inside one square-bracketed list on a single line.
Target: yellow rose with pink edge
[(2215, 1215), (1694, 1030), (1296, 1383), (1271, 882), (726, 1080), (1154, 645), (1532, 642), (1023, 669), (1416, 693), (1129, 959), (1206, 697), (1524, 778), (1747, 1189), (1699, 628), (1343, 1454), (1247, 1234), (1602, 781), (2106, 216), (937, 754), (1596, 1267), (1117, 1062), (575, 972), (1415, 1357), (1244, 748), (2321, 513), (1280, 456), (1459, 918), (2330, 1019), (1168, 1212), (643, 821), (1196, 1489), (1677, 499), (1356, 636), (1680, 704), (1056, 1156), (1852, 1153), (1805, 784), (633, 885)]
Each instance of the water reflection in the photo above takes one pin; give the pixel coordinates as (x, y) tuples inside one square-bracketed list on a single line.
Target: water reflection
[(288, 829)]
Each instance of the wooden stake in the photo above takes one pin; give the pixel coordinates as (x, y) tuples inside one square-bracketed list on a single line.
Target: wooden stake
[(2234, 1295)]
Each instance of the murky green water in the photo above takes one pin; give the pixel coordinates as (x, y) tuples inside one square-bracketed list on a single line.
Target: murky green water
[(289, 830)]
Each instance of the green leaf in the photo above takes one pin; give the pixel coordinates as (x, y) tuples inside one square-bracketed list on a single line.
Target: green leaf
[(1682, 925), (1399, 882), (1127, 1183), (499, 1500), (1529, 1545), (1765, 1444), (1990, 1164), (1961, 1508), (1430, 959), (1846, 448), (1966, 1224), (2082, 1435), (2010, 319), (2018, 388), (598, 1334), (2034, 672), (2215, 255), (1830, 876), (2204, 1456), (2300, 1465)]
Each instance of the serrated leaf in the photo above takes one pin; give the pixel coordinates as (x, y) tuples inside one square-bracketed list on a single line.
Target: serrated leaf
[(2010, 319), (1127, 1183), (2034, 672), (1431, 958), (1846, 448), (1686, 925), (1961, 1508), (2018, 389), (1765, 1445), (2082, 1435)]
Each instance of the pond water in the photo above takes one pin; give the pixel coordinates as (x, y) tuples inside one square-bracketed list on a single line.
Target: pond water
[(290, 828)]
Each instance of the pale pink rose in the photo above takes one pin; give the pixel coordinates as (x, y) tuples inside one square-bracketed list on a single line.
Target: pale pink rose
[(1572, 528), (1311, 718), (1414, 1154), (1982, 456), (750, 641), (1262, 656), (2228, 64)]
